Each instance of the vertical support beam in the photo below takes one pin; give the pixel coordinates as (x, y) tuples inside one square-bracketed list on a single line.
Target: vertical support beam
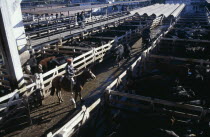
[(69, 22), (39, 33), (91, 12), (107, 13), (10, 29)]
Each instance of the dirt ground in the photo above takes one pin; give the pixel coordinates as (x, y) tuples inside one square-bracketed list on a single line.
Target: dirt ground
[(52, 115)]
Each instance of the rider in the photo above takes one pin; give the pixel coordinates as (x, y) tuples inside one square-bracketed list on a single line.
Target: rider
[(70, 70)]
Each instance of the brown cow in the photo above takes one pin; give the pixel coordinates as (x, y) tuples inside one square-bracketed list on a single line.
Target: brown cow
[(42, 66)]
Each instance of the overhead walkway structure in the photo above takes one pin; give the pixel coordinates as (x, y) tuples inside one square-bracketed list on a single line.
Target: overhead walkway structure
[(156, 10)]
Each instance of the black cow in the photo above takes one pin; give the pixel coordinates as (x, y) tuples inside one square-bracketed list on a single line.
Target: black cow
[(160, 86), (57, 62)]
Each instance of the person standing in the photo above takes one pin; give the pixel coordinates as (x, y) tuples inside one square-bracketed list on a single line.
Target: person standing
[(83, 19), (78, 19)]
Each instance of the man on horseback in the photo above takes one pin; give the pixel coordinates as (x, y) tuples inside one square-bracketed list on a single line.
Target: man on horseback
[(70, 71)]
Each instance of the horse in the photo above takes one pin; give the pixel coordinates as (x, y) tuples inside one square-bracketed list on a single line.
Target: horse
[(61, 82)]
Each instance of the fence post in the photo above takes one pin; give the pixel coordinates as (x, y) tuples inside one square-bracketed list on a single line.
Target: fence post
[(107, 96), (85, 63), (86, 114), (94, 55), (41, 84)]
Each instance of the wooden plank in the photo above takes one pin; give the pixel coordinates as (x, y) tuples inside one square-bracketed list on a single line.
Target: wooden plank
[(61, 66), (73, 47), (186, 40), (176, 113), (84, 60), (180, 59), (159, 101), (190, 29), (49, 80), (83, 55), (63, 51), (8, 96), (103, 37), (49, 72)]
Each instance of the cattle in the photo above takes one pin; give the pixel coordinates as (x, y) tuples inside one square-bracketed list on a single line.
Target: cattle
[(90, 42), (161, 86), (118, 53), (178, 72), (57, 62), (43, 64)]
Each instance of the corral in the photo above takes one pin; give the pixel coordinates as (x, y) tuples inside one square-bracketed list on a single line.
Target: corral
[(167, 57)]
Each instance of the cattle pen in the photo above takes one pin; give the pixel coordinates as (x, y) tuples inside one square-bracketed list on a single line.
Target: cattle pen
[(114, 97), (120, 101)]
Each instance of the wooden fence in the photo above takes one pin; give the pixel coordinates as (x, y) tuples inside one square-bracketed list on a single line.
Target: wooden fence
[(43, 81), (78, 120), (180, 110), (118, 99)]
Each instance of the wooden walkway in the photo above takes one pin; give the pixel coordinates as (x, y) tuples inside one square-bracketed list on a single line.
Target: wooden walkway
[(55, 37)]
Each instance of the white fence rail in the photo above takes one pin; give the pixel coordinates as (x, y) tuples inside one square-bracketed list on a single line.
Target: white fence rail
[(78, 120)]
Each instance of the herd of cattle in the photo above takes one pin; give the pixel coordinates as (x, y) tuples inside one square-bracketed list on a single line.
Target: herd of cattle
[(172, 80), (183, 83), (197, 33), (45, 62)]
